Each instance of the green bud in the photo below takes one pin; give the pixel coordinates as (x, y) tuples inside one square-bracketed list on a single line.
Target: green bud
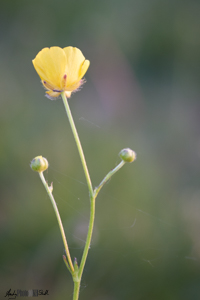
[(127, 155), (39, 164)]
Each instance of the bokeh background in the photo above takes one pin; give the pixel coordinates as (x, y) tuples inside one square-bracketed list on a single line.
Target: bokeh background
[(142, 92)]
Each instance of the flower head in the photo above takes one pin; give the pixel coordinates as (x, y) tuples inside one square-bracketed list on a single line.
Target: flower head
[(61, 70)]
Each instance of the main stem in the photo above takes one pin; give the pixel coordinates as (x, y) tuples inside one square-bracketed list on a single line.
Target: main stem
[(77, 279), (86, 249), (89, 237), (78, 143), (76, 290)]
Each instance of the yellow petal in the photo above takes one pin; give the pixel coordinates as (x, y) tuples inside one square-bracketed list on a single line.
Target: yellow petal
[(84, 68), (74, 86), (50, 64), (75, 61)]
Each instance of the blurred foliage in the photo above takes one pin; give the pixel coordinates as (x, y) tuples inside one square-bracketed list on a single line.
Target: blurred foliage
[(142, 92)]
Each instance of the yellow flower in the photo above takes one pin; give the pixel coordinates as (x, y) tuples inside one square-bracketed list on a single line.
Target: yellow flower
[(61, 70)]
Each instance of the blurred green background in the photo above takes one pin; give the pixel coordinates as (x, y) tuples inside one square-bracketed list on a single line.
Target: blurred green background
[(142, 92)]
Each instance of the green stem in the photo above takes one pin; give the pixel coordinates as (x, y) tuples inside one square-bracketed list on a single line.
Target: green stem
[(77, 274), (76, 290), (77, 282), (107, 177), (86, 249), (49, 192), (89, 236), (91, 226), (78, 143)]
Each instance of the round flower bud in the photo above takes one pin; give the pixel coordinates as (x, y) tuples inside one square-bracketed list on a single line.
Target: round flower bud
[(127, 155), (39, 164)]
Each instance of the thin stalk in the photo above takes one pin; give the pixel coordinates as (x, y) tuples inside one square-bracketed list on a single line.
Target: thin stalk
[(49, 192), (77, 282), (77, 274), (86, 249), (92, 215), (107, 177), (78, 143), (89, 237)]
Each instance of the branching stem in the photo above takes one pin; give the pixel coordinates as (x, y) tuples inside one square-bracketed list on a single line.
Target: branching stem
[(74, 269)]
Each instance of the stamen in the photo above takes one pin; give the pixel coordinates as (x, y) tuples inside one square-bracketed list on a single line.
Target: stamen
[(64, 81)]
